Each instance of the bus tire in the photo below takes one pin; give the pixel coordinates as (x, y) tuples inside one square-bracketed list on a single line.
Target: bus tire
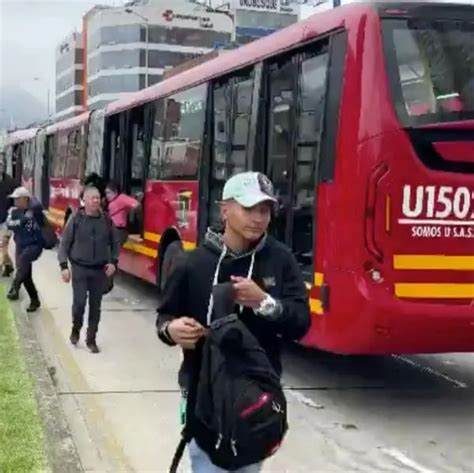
[(173, 253)]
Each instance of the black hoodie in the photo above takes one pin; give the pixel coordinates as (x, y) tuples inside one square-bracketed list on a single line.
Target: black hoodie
[(270, 264)]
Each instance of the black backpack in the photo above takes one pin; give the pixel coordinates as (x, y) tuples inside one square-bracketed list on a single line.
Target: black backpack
[(236, 411)]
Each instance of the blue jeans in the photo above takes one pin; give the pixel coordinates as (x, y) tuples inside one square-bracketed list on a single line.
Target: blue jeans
[(200, 462)]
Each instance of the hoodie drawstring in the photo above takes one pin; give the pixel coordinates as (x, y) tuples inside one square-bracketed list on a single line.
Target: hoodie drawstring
[(210, 306)]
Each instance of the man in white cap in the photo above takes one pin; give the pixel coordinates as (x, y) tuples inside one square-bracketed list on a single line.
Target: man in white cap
[(7, 186), (25, 219), (269, 292)]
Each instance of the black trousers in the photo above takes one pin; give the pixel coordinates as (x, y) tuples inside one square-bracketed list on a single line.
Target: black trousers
[(24, 269), (88, 284)]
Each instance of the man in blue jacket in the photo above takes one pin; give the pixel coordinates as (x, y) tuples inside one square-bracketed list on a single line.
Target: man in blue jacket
[(25, 219)]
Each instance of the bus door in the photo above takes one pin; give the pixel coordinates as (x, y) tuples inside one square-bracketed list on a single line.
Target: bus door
[(46, 171), (295, 102), (115, 148), (229, 149)]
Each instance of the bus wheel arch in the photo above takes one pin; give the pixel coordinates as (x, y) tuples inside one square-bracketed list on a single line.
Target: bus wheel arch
[(170, 251)]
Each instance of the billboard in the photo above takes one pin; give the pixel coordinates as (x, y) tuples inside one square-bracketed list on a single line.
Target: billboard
[(270, 6)]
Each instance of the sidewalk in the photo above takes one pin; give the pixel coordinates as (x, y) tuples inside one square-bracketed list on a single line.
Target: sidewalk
[(122, 405)]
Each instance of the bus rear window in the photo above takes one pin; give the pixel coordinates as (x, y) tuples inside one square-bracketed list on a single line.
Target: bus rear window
[(431, 68)]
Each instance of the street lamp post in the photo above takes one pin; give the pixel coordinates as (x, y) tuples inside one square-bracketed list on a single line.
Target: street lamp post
[(37, 79), (147, 39)]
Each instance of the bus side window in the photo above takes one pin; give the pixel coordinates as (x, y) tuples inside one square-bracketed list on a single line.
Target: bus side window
[(232, 114), (185, 120), (73, 155), (157, 143), (60, 156)]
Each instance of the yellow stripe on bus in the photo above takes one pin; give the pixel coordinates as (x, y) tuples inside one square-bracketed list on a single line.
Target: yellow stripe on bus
[(316, 306), (434, 290), (434, 262), (141, 249), (318, 279), (153, 237), (58, 212)]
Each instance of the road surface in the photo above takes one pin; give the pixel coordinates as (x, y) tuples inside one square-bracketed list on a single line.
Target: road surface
[(347, 414)]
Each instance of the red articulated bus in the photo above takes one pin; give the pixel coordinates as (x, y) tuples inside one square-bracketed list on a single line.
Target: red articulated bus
[(363, 117)]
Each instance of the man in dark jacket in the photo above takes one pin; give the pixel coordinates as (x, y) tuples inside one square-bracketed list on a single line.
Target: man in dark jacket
[(7, 186), (91, 243), (25, 219), (269, 291)]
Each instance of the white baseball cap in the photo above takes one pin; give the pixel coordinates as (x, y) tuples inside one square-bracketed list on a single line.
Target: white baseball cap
[(20, 192), (249, 189)]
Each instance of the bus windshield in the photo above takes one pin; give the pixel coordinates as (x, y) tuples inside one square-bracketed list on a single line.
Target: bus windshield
[(431, 68)]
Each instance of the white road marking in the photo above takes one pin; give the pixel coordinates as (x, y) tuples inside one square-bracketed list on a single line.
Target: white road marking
[(404, 460), (304, 399), (432, 371)]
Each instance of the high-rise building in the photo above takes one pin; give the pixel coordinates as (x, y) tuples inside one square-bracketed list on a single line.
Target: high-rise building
[(69, 77), (129, 48), (125, 49)]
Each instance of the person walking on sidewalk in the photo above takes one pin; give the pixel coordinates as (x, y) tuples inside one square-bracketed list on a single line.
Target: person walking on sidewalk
[(269, 291), (26, 219), (7, 186), (90, 242)]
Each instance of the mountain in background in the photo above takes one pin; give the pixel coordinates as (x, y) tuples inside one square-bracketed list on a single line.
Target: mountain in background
[(20, 107)]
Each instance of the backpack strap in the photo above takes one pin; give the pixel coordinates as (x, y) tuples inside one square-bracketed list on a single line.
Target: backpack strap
[(178, 454)]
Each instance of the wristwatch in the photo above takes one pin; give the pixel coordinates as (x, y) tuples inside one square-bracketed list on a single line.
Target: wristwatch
[(267, 306)]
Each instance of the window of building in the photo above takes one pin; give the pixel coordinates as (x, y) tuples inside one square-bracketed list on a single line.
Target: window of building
[(264, 20), (183, 137), (68, 81), (186, 36), (162, 59), (71, 99), (113, 84)]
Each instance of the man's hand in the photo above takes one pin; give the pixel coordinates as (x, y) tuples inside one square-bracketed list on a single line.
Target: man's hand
[(110, 270), (186, 332), (247, 292), (66, 275)]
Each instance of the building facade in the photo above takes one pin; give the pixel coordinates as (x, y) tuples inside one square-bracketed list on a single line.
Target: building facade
[(129, 48), (69, 77)]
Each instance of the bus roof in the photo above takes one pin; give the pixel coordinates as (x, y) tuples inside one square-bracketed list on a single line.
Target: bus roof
[(69, 124), (21, 135), (251, 53)]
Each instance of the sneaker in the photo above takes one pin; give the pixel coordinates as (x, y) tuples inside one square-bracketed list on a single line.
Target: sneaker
[(7, 271), (75, 336), (35, 304), (13, 295), (92, 346)]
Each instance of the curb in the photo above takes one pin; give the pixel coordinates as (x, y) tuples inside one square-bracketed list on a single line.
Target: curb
[(61, 450)]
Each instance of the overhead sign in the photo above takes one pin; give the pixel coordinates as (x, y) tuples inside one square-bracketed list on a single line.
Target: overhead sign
[(204, 21), (275, 6)]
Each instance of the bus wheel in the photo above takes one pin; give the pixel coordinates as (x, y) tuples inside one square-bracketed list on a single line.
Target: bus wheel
[(173, 253)]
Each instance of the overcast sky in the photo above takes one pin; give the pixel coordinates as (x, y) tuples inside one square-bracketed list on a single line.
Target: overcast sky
[(29, 33)]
